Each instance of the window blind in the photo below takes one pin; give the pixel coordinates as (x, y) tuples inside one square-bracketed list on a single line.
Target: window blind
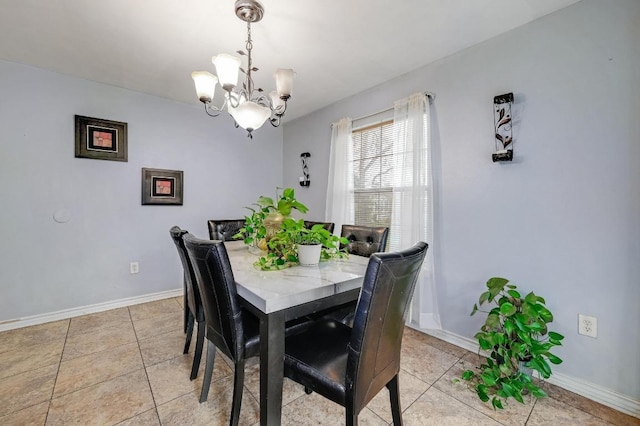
[(373, 174)]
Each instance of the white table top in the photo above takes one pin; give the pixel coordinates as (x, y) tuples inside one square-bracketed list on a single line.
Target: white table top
[(272, 291)]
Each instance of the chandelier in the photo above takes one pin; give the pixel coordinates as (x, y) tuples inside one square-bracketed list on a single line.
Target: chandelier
[(248, 106)]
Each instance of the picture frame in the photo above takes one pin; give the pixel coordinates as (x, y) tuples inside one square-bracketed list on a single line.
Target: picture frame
[(100, 139), (162, 187)]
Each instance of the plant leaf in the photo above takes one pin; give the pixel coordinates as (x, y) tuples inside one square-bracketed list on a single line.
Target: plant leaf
[(555, 336), (484, 344), (513, 294), (497, 404), (481, 390), (509, 327), (475, 309), (488, 379), (493, 321), (554, 359), (508, 389), (484, 297), (537, 392), (468, 375), (518, 397), (507, 309), (497, 282)]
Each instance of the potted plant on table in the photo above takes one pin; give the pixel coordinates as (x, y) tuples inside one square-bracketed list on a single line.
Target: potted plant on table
[(289, 246), (266, 218), (516, 336)]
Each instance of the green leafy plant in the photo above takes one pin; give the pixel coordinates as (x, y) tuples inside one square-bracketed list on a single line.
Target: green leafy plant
[(254, 229), (282, 247), (515, 335), (286, 202)]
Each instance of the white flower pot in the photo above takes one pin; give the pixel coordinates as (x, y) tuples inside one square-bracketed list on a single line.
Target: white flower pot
[(309, 255)]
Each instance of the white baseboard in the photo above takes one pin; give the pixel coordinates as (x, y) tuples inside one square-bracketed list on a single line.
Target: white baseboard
[(594, 392), (84, 310)]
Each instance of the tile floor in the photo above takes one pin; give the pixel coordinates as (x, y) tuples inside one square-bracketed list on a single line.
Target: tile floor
[(126, 367)]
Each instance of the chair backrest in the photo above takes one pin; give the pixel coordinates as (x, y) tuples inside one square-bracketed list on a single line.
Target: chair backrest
[(219, 295), (193, 294), (224, 230), (365, 240), (374, 350), (329, 226)]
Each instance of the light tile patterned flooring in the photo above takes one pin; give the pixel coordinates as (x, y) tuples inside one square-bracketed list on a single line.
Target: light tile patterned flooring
[(126, 367)]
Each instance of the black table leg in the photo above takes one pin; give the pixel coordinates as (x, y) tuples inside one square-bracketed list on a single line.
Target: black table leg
[(271, 367)]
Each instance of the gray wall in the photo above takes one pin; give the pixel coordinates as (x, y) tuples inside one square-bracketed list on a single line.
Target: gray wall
[(47, 266), (563, 219)]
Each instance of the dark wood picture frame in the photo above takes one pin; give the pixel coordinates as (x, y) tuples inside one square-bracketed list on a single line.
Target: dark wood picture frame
[(100, 139), (162, 187)]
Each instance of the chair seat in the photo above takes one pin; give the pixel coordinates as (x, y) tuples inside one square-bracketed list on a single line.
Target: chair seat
[(251, 326), (344, 313), (317, 358)]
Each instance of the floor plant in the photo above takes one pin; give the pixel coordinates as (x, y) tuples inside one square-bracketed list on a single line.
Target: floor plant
[(515, 337)]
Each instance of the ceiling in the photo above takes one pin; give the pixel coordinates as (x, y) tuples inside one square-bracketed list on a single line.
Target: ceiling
[(337, 47)]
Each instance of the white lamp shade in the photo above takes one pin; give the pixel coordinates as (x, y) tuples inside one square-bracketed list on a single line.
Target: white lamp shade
[(284, 81), (205, 85), (227, 67), (277, 103), (250, 116)]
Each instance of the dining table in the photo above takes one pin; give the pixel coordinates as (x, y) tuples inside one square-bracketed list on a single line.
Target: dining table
[(276, 297)]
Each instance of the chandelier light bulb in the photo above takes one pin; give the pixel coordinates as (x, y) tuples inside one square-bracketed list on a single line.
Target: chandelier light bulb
[(251, 116), (205, 85), (284, 82), (227, 67)]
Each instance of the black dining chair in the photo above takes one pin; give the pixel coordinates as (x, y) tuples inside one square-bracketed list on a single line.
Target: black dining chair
[(351, 365), (193, 309), (224, 230), (231, 329), (365, 240), (329, 226)]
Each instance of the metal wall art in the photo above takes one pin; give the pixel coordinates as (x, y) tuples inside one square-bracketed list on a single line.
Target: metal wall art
[(304, 179), (162, 187), (503, 127), (100, 139)]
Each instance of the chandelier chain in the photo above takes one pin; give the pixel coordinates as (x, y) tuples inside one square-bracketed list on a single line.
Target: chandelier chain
[(249, 46)]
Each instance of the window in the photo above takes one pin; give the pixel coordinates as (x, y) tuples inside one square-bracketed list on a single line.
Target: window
[(385, 171), (380, 175), (372, 169)]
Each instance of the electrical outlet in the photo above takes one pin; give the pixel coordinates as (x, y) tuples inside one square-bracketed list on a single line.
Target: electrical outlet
[(134, 267), (587, 326)]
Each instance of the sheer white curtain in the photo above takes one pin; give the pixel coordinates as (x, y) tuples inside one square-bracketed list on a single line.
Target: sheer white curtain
[(412, 214), (340, 207)]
